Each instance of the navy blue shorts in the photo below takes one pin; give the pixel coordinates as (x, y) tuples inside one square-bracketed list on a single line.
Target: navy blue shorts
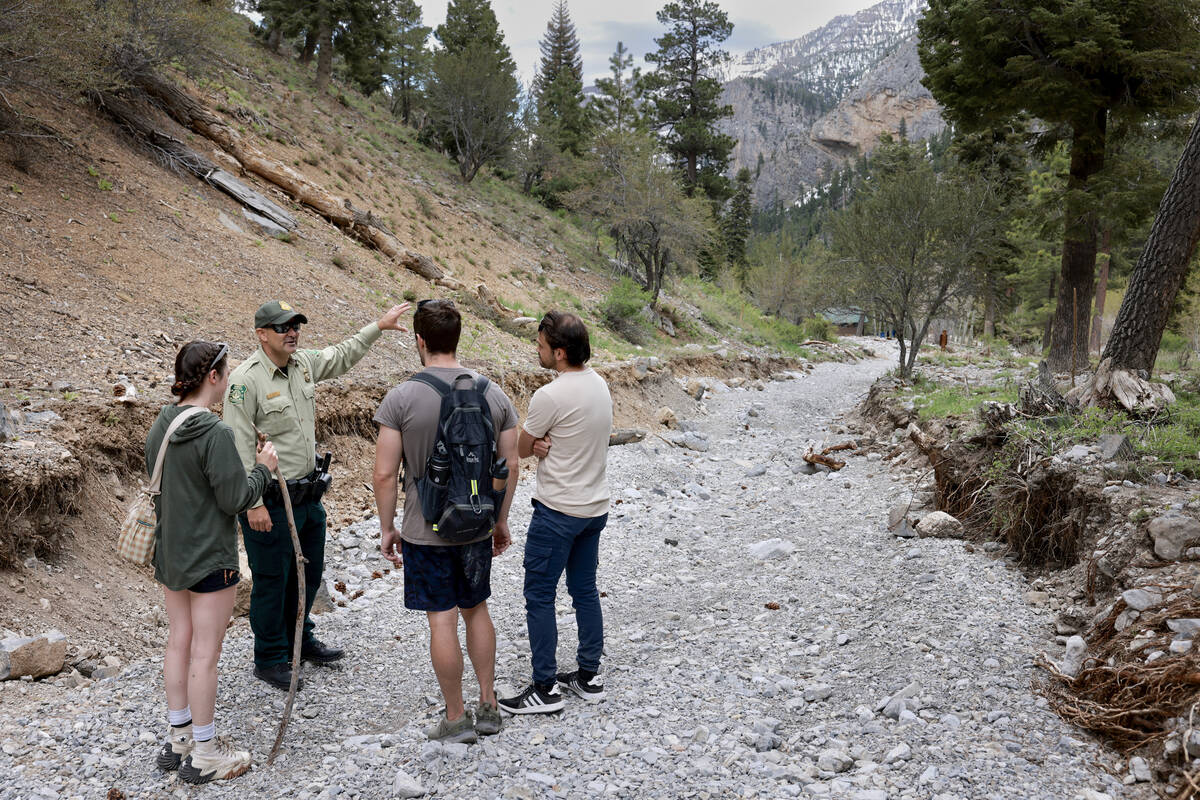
[(442, 577)]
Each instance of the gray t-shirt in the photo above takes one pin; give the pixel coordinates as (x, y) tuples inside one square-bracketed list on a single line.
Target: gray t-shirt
[(413, 408)]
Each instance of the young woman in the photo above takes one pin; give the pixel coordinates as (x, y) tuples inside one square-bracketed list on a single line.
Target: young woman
[(204, 487)]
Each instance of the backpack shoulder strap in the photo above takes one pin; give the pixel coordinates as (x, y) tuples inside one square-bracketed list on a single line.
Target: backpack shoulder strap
[(156, 478), (481, 385), (437, 384)]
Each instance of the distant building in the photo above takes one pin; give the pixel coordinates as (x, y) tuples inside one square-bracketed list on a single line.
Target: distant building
[(849, 321)]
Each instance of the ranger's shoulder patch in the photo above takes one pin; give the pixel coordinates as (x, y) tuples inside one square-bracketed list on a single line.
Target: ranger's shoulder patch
[(237, 394)]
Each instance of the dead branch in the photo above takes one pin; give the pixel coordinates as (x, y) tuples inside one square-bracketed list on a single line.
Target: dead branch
[(819, 458), (837, 447)]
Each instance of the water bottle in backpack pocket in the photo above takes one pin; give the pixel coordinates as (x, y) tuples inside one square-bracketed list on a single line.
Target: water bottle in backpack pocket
[(455, 489)]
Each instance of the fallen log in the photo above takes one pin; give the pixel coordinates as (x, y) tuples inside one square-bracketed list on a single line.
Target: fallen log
[(490, 300), (185, 110), (625, 436), (179, 155), (837, 447)]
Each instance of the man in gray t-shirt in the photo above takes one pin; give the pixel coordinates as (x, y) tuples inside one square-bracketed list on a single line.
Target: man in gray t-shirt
[(442, 579)]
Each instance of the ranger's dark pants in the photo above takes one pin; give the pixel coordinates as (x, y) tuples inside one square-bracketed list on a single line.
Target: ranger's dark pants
[(273, 565)]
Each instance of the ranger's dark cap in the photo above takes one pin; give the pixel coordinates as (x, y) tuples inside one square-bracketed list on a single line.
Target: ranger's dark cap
[(276, 312)]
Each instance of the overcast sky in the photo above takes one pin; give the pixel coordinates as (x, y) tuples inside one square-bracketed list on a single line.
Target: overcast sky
[(602, 23)]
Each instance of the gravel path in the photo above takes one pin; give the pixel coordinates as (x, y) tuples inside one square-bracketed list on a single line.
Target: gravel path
[(728, 675)]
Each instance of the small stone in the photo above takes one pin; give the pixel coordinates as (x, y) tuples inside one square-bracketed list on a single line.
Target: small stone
[(1140, 770), (667, 418), (1036, 598), (820, 691), (1172, 533), (1141, 599), (771, 549), (1187, 628), (405, 785), (834, 761), (34, 656), (756, 471), (1073, 658), (939, 524), (901, 752), (1115, 447)]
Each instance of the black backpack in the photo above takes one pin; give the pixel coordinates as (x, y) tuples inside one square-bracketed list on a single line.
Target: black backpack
[(456, 487)]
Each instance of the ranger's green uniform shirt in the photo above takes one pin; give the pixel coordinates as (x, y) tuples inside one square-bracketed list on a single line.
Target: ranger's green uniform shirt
[(283, 405)]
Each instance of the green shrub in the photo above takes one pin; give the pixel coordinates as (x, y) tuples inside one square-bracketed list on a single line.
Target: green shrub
[(622, 310), (818, 328)]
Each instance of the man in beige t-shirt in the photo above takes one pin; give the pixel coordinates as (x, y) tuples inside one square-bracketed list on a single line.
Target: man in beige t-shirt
[(567, 427)]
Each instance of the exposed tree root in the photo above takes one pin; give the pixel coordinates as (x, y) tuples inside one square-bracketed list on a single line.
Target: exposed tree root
[(1110, 387)]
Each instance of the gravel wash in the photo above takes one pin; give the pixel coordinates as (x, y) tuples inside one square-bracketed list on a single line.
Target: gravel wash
[(758, 622)]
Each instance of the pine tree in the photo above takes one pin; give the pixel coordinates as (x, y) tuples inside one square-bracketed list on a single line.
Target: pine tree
[(408, 62), (473, 90), (735, 226), (1072, 64), (687, 97), (616, 105), (558, 84), (1162, 268)]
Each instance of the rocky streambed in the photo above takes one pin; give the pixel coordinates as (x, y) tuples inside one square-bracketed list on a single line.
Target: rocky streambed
[(766, 636)]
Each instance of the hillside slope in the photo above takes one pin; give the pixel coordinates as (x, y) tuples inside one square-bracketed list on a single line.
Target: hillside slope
[(109, 261)]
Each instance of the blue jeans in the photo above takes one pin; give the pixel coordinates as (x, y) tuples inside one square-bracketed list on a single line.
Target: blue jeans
[(558, 542)]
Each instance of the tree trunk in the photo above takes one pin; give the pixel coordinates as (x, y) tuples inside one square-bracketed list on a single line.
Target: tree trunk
[(1101, 292), (1079, 247), (274, 38), (989, 308), (310, 47), (325, 50), (1049, 319), (1161, 267)]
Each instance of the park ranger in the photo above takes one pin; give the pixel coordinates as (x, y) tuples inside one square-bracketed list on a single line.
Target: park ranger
[(274, 390)]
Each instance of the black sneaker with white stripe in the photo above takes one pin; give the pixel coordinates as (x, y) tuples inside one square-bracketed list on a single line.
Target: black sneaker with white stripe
[(534, 700), (589, 690)]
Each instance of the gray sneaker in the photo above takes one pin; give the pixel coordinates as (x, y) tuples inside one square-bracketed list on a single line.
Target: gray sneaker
[(462, 730), (487, 719)]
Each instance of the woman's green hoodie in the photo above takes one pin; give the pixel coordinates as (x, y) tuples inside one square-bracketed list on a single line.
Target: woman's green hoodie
[(204, 487)]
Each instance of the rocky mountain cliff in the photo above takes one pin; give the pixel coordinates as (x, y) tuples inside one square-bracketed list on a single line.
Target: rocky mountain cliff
[(802, 107), (888, 95)]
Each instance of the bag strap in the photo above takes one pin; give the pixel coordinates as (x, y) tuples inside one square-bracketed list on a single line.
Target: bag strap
[(437, 384), (156, 478)]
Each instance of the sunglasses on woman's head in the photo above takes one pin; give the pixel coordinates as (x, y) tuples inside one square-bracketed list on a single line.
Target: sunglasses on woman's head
[(285, 327)]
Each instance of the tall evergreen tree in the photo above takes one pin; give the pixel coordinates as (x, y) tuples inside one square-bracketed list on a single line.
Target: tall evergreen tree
[(1073, 64), (616, 105), (408, 62), (687, 96), (558, 84), (473, 91)]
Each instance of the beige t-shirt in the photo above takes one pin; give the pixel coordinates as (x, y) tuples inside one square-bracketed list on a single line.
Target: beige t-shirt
[(413, 408), (576, 410)]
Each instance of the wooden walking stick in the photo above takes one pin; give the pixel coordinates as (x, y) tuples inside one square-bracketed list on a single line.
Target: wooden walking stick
[(300, 592)]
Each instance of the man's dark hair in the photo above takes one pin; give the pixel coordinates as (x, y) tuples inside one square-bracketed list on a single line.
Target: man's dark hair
[(439, 324), (568, 332)]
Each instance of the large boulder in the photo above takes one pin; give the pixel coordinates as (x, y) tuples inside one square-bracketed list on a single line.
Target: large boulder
[(939, 525), (33, 656), (1173, 533)]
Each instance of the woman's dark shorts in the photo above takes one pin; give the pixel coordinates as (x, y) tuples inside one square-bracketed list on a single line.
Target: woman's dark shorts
[(442, 577), (216, 581)]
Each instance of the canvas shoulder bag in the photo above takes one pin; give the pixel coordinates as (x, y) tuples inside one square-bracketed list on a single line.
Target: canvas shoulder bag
[(136, 540)]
